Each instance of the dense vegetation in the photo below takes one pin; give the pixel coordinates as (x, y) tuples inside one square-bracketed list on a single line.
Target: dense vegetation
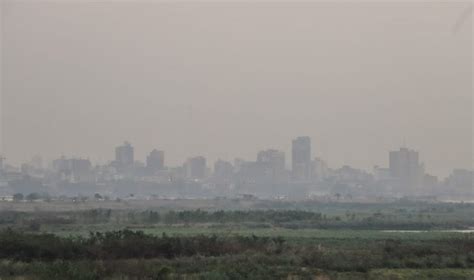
[(310, 241), (125, 244), (235, 257), (341, 216)]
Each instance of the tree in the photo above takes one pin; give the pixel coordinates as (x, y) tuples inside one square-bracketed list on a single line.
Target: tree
[(32, 196), (18, 197)]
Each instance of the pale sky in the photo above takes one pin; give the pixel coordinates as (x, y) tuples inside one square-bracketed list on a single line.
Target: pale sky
[(225, 80)]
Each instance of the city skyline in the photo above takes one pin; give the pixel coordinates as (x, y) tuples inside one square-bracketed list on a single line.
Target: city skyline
[(142, 153), (215, 79), (124, 155), (265, 175)]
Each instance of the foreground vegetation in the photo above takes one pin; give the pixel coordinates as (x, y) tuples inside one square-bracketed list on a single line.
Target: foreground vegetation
[(320, 241), (136, 255), (354, 216)]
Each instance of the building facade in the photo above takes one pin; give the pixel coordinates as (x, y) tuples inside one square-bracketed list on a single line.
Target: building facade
[(155, 161), (406, 169), (301, 159), (195, 168), (124, 155)]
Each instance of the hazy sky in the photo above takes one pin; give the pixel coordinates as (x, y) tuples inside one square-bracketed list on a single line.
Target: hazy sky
[(226, 80)]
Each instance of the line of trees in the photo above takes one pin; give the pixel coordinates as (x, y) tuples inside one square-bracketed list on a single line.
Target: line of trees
[(127, 244), (294, 219)]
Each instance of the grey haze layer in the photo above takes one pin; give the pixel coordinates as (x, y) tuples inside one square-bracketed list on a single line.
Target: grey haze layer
[(230, 79)]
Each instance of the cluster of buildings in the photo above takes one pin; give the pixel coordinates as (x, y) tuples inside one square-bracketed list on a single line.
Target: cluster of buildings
[(267, 176)]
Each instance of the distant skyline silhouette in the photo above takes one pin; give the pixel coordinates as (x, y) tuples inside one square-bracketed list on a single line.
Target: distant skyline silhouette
[(226, 80)]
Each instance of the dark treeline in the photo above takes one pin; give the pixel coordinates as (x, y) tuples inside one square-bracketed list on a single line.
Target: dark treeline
[(243, 256), (128, 244), (171, 217), (125, 244), (256, 218)]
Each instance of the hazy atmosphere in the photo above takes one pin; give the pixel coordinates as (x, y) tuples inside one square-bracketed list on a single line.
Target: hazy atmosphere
[(236, 140), (225, 80)]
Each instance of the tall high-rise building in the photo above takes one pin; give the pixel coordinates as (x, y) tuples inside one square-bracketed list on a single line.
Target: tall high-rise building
[(223, 170), (319, 170), (155, 160), (74, 169), (406, 169), (124, 155), (195, 168), (272, 164), (301, 158), (273, 158)]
